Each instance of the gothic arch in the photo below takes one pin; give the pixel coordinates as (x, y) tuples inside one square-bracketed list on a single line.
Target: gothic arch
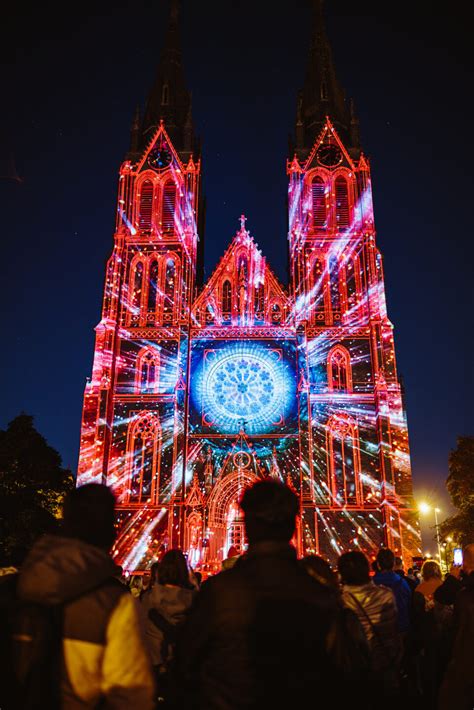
[(339, 370), (342, 446), (143, 457), (147, 371), (170, 275), (168, 205), (145, 202), (136, 286), (226, 491)]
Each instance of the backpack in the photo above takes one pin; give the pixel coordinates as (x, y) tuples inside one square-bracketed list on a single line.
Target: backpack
[(30, 648)]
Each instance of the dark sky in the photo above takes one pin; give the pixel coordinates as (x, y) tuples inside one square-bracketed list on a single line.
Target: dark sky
[(72, 83)]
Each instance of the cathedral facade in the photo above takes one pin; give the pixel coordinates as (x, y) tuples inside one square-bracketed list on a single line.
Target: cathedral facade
[(199, 390)]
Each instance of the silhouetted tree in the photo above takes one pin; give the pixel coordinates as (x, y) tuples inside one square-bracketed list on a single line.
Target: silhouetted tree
[(32, 486), (460, 485)]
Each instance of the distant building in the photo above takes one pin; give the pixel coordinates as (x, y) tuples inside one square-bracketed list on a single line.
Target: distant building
[(198, 390)]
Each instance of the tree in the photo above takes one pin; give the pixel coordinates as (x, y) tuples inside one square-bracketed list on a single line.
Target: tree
[(33, 484), (460, 485)]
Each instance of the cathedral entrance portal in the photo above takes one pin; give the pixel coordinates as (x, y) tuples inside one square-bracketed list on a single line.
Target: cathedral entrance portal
[(225, 521)]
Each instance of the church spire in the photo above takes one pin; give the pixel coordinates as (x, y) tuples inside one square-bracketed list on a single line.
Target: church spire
[(169, 99), (322, 94)]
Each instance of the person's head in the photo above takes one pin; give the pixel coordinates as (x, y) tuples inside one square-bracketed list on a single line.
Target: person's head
[(398, 564), (270, 510), (353, 568), (374, 567), (468, 559), (146, 579), (174, 569), (321, 570), (430, 570), (385, 559), (89, 515)]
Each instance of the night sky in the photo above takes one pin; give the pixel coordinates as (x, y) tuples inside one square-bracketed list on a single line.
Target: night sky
[(70, 91)]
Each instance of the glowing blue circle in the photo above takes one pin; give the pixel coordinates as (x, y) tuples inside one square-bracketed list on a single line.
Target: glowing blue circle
[(245, 385)]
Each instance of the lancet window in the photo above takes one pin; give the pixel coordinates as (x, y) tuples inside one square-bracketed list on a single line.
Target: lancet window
[(259, 300), (342, 202), (144, 448), (168, 206), (152, 284), (226, 299), (319, 201), (344, 464), (334, 283), (339, 370), (136, 287), (146, 205), (169, 286), (351, 284), (147, 372)]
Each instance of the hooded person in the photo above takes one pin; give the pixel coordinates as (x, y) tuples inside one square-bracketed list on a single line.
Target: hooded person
[(104, 658)]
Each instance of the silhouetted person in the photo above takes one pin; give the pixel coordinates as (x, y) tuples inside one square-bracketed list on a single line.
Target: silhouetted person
[(375, 606), (165, 606), (104, 660), (403, 594), (398, 568), (457, 690), (257, 635)]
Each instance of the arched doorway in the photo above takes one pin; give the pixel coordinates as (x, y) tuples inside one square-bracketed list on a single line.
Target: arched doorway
[(225, 520)]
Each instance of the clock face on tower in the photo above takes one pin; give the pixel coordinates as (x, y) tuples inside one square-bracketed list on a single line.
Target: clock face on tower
[(160, 157), (329, 155)]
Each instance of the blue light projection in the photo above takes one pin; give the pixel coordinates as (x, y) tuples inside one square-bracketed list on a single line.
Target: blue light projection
[(243, 385)]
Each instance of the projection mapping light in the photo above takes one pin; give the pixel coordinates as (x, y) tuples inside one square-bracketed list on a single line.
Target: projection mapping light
[(243, 386)]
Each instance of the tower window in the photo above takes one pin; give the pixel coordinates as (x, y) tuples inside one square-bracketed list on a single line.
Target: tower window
[(144, 456), (259, 300), (334, 283), (343, 461), (152, 285), (319, 202), (146, 205), (137, 287), (169, 286), (342, 202), (169, 206), (226, 299), (324, 90), (339, 370), (147, 372), (165, 95)]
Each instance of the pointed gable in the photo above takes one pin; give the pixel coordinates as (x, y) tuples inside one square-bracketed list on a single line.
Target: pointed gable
[(329, 140), (243, 290)]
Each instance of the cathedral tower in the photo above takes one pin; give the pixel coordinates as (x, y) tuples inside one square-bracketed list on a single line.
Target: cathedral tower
[(197, 392)]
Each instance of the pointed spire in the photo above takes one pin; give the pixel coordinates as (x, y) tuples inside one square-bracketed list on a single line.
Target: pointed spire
[(135, 131), (169, 99), (322, 94)]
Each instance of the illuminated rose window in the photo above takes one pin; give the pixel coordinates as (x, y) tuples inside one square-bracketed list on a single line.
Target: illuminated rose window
[(245, 386)]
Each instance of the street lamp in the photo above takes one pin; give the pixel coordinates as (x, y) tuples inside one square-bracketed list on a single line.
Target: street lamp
[(424, 508)]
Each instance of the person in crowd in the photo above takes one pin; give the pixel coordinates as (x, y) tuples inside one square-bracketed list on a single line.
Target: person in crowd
[(432, 579), (429, 625), (146, 582), (154, 572), (398, 568), (104, 658), (412, 575), (377, 612), (165, 606), (257, 635), (457, 690), (388, 578)]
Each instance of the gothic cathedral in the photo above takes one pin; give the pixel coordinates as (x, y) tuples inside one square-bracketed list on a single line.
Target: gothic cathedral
[(197, 391)]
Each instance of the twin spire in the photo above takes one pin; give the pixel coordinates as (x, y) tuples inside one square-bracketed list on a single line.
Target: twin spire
[(322, 95), (169, 99)]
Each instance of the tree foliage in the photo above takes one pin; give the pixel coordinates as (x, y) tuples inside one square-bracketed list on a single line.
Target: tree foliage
[(32, 486), (460, 485)]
